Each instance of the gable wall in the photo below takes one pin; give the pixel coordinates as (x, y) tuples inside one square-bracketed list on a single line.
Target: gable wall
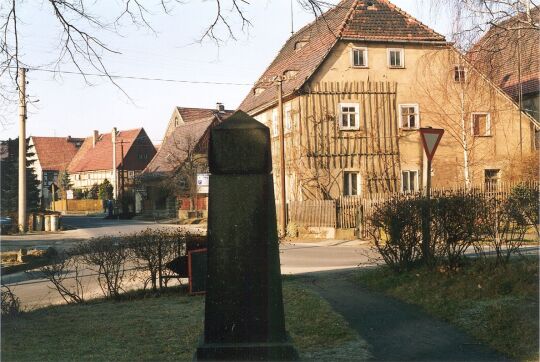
[(427, 80)]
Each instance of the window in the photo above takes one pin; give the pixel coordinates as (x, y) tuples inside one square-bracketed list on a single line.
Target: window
[(409, 116), (143, 156), (131, 174), (351, 183), (349, 116), (459, 73), (176, 121), (275, 122), (481, 124), (359, 57), (288, 117), (396, 58), (409, 181), (492, 177)]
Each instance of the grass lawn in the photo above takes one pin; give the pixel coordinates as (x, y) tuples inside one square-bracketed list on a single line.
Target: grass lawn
[(496, 305), (159, 328)]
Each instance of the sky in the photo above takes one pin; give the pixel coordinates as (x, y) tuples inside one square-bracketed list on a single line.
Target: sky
[(69, 105)]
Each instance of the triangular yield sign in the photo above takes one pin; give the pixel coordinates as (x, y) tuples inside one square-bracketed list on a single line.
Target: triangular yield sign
[(430, 139)]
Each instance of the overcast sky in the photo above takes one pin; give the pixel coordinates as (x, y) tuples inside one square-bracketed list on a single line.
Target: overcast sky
[(69, 106)]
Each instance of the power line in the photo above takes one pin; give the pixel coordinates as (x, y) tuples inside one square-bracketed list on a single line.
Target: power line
[(116, 76)]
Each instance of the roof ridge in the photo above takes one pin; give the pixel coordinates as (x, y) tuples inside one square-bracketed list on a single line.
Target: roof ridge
[(347, 17), (406, 14)]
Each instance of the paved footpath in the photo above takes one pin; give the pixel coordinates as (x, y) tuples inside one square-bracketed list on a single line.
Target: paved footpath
[(396, 331)]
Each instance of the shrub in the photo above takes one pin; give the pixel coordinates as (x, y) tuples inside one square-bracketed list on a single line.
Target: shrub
[(151, 249), (107, 257), (457, 222), (522, 205), (396, 227), (11, 305), (505, 228), (69, 287)]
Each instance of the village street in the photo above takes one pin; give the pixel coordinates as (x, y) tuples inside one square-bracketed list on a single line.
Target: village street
[(296, 257)]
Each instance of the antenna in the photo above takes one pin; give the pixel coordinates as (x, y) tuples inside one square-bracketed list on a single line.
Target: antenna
[(292, 18)]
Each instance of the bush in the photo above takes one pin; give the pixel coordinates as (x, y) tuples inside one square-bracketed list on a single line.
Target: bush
[(457, 223), (396, 227), (107, 257), (522, 205), (152, 249), (69, 287), (11, 305)]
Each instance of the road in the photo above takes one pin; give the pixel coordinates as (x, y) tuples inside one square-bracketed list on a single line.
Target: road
[(82, 228), (295, 258)]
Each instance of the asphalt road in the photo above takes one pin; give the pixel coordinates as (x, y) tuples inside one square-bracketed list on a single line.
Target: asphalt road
[(81, 228), (295, 258)]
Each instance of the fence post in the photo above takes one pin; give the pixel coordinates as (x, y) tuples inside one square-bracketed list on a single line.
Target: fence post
[(160, 265)]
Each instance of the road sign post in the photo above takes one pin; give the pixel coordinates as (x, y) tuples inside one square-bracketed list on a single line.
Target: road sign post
[(430, 141)]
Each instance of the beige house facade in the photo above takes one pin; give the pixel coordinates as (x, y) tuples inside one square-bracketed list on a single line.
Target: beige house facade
[(374, 77)]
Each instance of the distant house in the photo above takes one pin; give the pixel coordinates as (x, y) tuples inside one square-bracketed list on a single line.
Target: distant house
[(170, 179), (52, 155), (118, 156), (509, 55)]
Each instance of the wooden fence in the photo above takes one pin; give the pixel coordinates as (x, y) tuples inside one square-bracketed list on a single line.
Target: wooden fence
[(78, 206), (314, 213), (348, 212)]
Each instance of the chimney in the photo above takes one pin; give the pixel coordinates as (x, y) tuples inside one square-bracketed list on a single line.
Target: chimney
[(95, 138), (220, 107)]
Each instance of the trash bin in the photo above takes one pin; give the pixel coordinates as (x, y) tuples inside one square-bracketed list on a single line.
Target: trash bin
[(31, 222), (47, 222), (54, 222), (38, 222)]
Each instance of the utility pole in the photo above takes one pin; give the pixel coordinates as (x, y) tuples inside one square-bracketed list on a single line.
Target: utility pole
[(283, 198), (22, 150), (114, 178)]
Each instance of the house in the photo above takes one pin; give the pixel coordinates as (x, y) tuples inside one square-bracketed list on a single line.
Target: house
[(353, 88), (508, 55), (51, 155), (119, 156), (175, 180)]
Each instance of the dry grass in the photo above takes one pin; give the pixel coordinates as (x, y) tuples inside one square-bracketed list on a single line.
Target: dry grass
[(165, 328)]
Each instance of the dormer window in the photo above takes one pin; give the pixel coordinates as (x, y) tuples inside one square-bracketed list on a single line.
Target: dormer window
[(258, 91), (300, 44), (359, 57), (396, 58), (290, 73)]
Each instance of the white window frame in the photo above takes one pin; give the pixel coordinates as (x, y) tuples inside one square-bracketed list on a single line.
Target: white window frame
[(457, 69), (275, 120), (365, 51), (488, 124), (356, 113), (416, 188), (416, 112), (288, 118), (348, 174), (401, 57)]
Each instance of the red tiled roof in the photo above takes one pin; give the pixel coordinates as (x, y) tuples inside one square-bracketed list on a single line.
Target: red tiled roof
[(496, 54), (90, 158), (55, 153), (192, 114), (173, 150), (375, 20)]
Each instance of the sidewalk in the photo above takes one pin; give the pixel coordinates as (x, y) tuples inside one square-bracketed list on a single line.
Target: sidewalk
[(395, 330)]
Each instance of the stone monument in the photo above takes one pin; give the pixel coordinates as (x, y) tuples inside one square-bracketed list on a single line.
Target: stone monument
[(244, 318)]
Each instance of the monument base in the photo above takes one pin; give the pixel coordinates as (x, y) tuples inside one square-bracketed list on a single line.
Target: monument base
[(283, 351)]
